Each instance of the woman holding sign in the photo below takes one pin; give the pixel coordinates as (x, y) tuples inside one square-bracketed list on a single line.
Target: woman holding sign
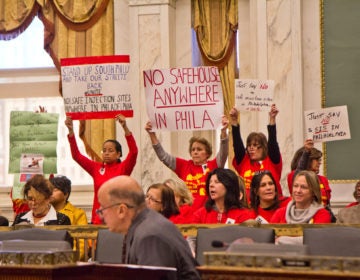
[(194, 171), (259, 154), (111, 165)]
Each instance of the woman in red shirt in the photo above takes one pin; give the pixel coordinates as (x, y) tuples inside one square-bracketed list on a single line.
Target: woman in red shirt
[(259, 153), (183, 199), (161, 198), (223, 205), (309, 158), (264, 196), (305, 207), (111, 164)]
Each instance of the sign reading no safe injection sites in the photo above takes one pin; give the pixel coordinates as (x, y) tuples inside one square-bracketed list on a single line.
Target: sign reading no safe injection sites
[(96, 87), (184, 98)]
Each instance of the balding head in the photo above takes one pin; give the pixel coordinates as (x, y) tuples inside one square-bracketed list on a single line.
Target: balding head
[(123, 188), (121, 198)]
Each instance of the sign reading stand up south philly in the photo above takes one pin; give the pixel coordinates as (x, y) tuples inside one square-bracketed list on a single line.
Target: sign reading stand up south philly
[(184, 98), (96, 87)]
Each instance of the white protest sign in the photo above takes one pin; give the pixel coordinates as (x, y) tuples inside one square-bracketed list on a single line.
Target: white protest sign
[(327, 124), (184, 98), (96, 87), (254, 95)]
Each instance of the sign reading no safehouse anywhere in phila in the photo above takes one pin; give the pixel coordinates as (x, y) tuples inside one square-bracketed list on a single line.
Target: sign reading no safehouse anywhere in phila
[(184, 98)]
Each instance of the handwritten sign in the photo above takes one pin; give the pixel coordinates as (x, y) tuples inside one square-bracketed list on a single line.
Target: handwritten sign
[(254, 95), (96, 87), (33, 133), (184, 98), (328, 124)]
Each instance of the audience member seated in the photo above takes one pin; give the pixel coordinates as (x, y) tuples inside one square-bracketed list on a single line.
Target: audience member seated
[(194, 171), (149, 238), (349, 215), (60, 200), (305, 207), (309, 158), (37, 191), (223, 205), (259, 154), (356, 195), (161, 198), (264, 196), (183, 199)]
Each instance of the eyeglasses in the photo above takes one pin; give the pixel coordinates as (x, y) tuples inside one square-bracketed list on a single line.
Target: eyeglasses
[(254, 146), (100, 211), (152, 199)]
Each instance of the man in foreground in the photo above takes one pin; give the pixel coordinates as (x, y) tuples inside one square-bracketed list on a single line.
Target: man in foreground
[(150, 239)]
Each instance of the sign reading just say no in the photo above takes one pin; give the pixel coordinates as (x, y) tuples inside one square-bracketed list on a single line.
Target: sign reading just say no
[(328, 124), (254, 95), (184, 98)]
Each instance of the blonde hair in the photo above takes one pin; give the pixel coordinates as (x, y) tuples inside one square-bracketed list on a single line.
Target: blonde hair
[(181, 190), (313, 182)]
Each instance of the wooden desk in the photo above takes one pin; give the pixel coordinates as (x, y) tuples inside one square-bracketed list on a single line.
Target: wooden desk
[(235, 273)]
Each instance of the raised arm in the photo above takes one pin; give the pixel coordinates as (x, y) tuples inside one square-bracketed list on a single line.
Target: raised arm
[(122, 121), (223, 153), (164, 157), (69, 124), (131, 157), (303, 161), (273, 146), (238, 145)]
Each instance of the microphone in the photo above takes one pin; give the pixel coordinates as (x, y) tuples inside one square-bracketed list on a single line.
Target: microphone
[(219, 244)]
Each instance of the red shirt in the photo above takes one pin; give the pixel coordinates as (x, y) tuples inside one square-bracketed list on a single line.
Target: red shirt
[(185, 215), (264, 216), (322, 216), (246, 169), (233, 216), (100, 172), (194, 177), (324, 187)]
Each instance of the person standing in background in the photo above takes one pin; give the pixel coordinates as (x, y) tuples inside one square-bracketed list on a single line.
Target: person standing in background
[(259, 153), (194, 171), (111, 165)]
